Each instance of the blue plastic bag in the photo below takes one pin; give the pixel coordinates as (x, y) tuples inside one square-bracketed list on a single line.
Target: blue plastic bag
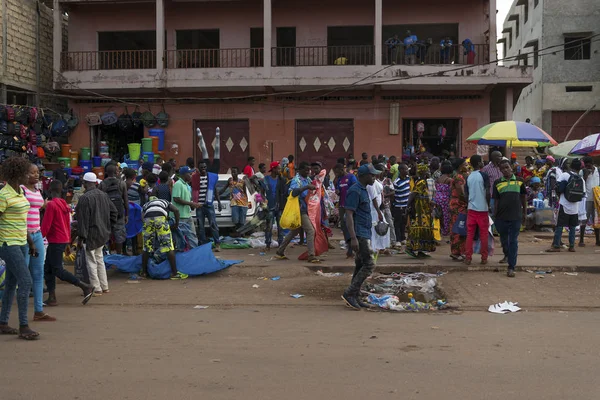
[(460, 226)]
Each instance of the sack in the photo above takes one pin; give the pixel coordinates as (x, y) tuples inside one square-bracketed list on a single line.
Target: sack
[(460, 226), (574, 191), (93, 119), (490, 244), (162, 118), (290, 218), (136, 118), (109, 118), (81, 270), (111, 187), (125, 123)]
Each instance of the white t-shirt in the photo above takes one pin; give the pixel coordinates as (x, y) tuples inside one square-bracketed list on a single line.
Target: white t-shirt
[(591, 182), (568, 207), (375, 191)]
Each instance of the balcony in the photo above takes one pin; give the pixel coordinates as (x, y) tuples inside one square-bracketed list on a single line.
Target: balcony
[(433, 54), (319, 56), (108, 60)]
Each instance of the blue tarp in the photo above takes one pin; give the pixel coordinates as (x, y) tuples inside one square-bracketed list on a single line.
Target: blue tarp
[(198, 261)]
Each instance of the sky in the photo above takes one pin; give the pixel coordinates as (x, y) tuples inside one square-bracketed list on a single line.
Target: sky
[(503, 6)]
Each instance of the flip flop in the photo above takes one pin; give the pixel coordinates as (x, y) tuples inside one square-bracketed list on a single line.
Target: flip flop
[(44, 317), (278, 257), (29, 336)]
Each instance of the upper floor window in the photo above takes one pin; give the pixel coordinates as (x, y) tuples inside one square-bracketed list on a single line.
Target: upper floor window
[(198, 48), (577, 47), (127, 50)]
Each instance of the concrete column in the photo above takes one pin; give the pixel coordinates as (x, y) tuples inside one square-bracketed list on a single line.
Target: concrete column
[(378, 28), (160, 36), (57, 41), (493, 35), (509, 105), (267, 31)]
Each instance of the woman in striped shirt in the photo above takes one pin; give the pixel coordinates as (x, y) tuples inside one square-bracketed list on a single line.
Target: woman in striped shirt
[(36, 263), (13, 240)]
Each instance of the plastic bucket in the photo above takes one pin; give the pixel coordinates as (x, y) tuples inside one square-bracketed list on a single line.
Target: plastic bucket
[(147, 145), (155, 142), (68, 171), (105, 161), (86, 165), (161, 154), (160, 133), (74, 157), (134, 151), (148, 156), (65, 150), (85, 153), (99, 171), (97, 161), (67, 161)]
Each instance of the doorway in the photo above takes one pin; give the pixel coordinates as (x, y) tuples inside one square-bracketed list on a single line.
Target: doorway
[(439, 137), (286, 47), (257, 50)]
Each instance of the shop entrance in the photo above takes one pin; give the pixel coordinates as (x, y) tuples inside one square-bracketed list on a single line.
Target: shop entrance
[(439, 137)]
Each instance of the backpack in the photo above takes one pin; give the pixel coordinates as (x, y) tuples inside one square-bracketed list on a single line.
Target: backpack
[(136, 118), (93, 119), (148, 119), (162, 118), (109, 118), (574, 192), (125, 123), (10, 114), (112, 189), (59, 128)]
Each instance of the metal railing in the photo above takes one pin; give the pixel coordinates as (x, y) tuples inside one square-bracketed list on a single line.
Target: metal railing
[(112, 59), (215, 58), (322, 55), (434, 54)]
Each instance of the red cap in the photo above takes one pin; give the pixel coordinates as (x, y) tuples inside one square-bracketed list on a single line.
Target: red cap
[(273, 165), (513, 155)]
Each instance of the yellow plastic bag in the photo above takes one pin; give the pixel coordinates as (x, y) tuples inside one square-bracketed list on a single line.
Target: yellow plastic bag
[(290, 219)]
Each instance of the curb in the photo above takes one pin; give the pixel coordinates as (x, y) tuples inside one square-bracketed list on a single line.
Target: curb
[(433, 269)]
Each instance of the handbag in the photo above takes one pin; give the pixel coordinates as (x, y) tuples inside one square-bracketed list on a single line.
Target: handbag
[(460, 226)]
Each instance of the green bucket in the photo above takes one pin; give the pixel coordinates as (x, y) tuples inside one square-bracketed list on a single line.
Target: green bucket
[(67, 161), (85, 154), (147, 145), (135, 150)]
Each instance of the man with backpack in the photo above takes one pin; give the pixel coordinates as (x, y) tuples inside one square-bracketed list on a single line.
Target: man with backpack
[(116, 189), (571, 188)]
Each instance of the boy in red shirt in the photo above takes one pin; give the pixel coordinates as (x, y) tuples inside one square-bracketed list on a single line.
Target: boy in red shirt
[(56, 228)]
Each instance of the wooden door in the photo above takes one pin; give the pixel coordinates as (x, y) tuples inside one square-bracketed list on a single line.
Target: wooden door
[(235, 142), (324, 140)]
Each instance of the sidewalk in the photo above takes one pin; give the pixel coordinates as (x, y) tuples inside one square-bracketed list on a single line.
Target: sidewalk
[(532, 256)]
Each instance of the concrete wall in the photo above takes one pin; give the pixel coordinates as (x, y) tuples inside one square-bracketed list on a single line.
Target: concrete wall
[(271, 123)]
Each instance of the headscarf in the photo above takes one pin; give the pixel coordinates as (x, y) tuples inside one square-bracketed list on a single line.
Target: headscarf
[(284, 162), (422, 169)]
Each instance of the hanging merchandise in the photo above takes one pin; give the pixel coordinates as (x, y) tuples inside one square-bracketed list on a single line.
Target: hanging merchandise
[(162, 118), (148, 119), (22, 115), (10, 114), (420, 129), (109, 118), (93, 119), (125, 123), (59, 128), (136, 117), (72, 120)]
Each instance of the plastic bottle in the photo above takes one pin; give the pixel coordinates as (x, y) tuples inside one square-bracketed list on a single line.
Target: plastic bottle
[(411, 298)]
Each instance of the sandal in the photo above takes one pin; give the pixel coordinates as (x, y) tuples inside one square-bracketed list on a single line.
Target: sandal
[(7, 330), (280, 257), (106, 291), (314, 260), (31, 335), (97, 294), (44, 317)]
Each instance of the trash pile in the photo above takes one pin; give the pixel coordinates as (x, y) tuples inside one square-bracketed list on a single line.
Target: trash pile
[(404, 292)]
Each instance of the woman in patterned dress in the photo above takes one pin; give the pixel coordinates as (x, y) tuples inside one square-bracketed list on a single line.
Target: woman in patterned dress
[(458, 205)]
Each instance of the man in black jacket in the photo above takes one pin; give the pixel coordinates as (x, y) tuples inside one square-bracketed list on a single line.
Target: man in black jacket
[(276, 189)]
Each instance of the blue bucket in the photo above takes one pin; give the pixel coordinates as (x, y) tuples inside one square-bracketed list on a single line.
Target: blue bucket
[(97, 161), (148, 156), (86, 165)]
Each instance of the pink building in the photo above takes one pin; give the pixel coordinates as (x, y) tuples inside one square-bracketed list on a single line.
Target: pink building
[(332, 80)]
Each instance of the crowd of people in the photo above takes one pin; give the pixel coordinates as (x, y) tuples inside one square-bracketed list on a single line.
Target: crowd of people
[(425, 52)]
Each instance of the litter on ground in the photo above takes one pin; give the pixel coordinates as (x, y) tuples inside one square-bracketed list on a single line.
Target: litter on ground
[(200, 307), (503, 308), (329, 274), (297, 295)]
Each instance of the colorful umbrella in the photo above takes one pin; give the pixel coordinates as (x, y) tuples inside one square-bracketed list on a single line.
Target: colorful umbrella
[(512, 134), (589, 145), (563, 149)]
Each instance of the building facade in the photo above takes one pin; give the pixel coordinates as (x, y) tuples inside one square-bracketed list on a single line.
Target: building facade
[(330, 81), (561, 41)]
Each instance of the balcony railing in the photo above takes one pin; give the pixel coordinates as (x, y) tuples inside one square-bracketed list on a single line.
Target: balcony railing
[(316, 56), (215, 58), (103, 60), (424, 54), (434, 54)]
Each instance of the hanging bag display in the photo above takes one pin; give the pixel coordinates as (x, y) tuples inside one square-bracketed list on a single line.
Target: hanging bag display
[(162, 118), (109, 118), (136, 118), (125, 123), (72, 120), (93, 119), (148, 119)]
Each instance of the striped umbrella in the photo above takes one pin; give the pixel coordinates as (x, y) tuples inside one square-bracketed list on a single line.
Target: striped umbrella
[(589, 145), (512, 134)]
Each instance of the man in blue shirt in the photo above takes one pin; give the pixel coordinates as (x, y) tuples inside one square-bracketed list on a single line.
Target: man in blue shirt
[(276, 188), (299, 187), (410, 47), (359, 222), (445, 50), (344, 182), (477, 190)]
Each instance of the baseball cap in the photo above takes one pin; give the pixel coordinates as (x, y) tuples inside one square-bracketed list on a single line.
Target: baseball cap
[(184, 170), (368, 169), (123, 165), (513, 155), (91, 177), (273, 165)]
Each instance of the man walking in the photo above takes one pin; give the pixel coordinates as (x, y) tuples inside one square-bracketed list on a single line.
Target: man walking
[(510, 209), (477, 190), (276, 199), (204, 194), (182, 196), (116, 189), (96, 215), (344, 182), (401, 195), (299, 188), (571, 188), (249, 168), (56, 228), (592, 179), (359, 222)]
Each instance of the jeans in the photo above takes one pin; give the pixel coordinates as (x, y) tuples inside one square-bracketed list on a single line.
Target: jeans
[(96, 269), (17, 273), (309, 230), (185, 236), (363, 266), (53, 268), (36, 269), (238, 215), (207, 211), (568, 220), (509, 235), (558, 236), (400, 217), (275, 214), (477, 219)]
